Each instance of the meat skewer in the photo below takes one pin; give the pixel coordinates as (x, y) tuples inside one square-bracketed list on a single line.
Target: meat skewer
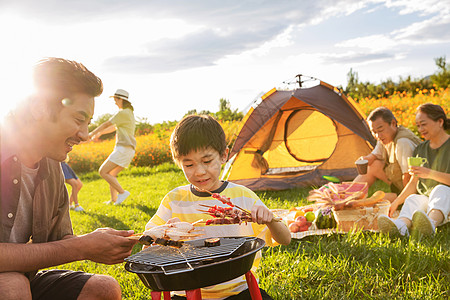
[(228, 215), (226, 200)]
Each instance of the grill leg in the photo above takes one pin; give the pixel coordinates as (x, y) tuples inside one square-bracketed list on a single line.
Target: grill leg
[(157, 295), (253, 286), (194, 294)]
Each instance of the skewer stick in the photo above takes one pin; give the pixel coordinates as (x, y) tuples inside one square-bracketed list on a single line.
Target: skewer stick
[(198, 221)]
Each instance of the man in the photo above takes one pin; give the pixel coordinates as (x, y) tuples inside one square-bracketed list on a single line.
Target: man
[(36, 230), (388, 160)]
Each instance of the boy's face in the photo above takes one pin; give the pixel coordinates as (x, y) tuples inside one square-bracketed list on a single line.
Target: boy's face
[(202, 168)]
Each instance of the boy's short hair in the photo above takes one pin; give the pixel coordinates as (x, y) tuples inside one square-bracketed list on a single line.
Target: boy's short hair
[(195, 132), (382, 112)]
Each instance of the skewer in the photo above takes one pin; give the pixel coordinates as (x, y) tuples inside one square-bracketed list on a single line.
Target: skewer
[(228, 202)]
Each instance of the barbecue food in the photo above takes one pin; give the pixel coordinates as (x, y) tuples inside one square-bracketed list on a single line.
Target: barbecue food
[(147, 241), (212, 242), (226, 215)]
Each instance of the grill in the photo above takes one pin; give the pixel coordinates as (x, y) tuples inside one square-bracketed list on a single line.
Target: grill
[(194, 265)]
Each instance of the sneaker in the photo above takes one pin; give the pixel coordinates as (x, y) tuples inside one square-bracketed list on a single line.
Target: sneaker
[(387, 225), (78, 208), (122, 197), (109, 202), (71, 207), (422, 223)]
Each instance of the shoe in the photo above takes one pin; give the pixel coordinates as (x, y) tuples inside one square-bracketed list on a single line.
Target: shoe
[(122, 197), (71, 207), (422, 223), (109, 202), (78, 208), (387, 225)]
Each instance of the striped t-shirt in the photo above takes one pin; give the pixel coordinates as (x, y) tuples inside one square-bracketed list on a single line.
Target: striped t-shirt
[(183, 203)]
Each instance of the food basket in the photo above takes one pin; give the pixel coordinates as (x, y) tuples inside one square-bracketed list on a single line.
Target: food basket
[(364, 218)]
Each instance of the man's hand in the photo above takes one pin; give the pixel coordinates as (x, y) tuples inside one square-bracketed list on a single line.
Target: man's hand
[(370, 158), (107, 245)]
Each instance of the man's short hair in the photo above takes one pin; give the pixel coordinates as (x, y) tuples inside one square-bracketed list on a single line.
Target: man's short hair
[(196, 132), (382, 112), (64, 77), (58, 78)]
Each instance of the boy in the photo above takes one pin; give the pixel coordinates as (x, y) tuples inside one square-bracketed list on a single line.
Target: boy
[(199, 147), (71, 178)]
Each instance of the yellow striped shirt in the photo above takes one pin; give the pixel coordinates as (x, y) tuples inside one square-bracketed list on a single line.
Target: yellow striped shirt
[(183, 203)]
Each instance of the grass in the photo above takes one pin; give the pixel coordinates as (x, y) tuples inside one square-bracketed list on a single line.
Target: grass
[(362, 265)]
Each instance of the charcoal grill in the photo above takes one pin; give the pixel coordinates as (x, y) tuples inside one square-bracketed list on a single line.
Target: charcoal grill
[(194, 265)]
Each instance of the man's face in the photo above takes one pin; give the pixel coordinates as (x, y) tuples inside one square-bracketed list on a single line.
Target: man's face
[(202, 168), (68, 127), (383, 131)]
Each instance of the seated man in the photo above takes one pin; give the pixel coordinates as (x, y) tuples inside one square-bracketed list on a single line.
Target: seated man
[(388, 160), (35, 227)]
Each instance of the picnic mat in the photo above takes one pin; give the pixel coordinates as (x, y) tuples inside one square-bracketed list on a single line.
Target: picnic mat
[(299, 235)]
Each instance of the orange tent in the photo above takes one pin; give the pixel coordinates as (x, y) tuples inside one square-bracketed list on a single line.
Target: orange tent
[(293, 138)]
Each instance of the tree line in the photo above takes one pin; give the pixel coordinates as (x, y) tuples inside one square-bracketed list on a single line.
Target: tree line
[(354, 89), (359, 90)]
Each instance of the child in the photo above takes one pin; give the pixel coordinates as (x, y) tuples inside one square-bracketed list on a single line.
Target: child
[(71, 178), (199, 147)]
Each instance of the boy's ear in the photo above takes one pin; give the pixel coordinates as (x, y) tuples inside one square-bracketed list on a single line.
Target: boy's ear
[(225, 156)]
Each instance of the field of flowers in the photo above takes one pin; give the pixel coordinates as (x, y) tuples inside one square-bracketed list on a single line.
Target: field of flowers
[(153, 149), (404, 105)]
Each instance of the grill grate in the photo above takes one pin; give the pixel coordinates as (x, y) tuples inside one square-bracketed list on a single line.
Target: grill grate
[(191, 251)]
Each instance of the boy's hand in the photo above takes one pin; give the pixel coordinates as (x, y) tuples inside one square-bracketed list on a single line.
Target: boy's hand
[(261, 214)]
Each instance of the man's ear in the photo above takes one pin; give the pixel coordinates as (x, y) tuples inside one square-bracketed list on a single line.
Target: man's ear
[(38, 108)]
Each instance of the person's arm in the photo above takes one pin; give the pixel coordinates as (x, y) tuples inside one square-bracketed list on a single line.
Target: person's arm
[(104, 128), (426, 173), (405, 148), (279, 231), (405, 178), (104, 245), (409, 189), (370, 158)]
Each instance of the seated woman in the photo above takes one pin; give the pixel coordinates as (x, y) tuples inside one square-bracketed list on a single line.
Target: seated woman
[(426, 197)]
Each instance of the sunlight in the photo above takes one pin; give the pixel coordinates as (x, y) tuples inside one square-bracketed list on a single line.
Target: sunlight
[(16, 60)]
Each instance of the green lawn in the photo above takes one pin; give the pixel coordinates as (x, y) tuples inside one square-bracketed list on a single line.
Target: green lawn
[(362, 265)]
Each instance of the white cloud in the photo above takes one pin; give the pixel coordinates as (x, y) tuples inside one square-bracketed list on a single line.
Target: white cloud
[(184, 55)]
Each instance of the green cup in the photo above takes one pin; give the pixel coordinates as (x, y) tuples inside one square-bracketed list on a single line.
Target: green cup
[(416, 161)]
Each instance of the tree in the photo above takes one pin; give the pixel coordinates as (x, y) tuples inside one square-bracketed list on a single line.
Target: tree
[(225, 113), (442, 77)]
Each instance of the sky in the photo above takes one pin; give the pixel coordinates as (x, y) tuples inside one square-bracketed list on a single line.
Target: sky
[(175, 56)]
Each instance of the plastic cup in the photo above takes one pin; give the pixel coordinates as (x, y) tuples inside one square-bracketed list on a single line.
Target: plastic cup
[(361, 166), (416, 161)]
